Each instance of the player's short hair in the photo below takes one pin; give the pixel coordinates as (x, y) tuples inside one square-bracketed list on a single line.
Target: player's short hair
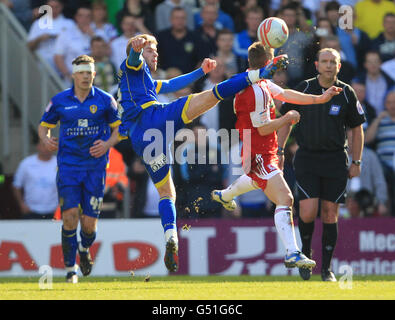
[(331, 50), (259, 55), (148, 37), (83, 59)]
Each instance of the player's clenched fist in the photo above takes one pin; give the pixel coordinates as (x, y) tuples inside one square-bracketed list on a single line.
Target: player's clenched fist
[(208, 65), (292, 116), (138, 44)]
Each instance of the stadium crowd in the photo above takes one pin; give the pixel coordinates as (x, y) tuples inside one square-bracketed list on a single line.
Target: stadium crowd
[(191, 30)]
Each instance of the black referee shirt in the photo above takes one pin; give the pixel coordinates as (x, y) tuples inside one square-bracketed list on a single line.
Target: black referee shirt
[(322, 127)]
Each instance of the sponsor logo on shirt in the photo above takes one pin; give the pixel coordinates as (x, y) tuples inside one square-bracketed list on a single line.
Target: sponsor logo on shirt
[(70, 107), (83, 123)]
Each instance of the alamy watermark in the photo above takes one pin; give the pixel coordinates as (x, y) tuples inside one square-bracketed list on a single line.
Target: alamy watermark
[(346, 18), (46, 280), (199, 146)]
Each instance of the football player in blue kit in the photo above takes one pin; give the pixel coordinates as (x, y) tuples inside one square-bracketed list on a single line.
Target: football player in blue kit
[(89, 121), (142, 112)]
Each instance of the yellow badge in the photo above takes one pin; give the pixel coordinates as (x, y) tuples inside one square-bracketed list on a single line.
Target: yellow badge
[(93, 108)]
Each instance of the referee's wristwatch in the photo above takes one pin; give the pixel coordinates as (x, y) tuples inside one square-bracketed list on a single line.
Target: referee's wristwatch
[(357, 162), (280, 151)]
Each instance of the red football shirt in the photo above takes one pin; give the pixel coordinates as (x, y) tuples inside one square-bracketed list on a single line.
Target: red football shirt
[(255, 107)]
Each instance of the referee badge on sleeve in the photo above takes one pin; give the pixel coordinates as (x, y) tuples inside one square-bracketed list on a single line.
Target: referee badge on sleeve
[(334, 110), (360, 108)]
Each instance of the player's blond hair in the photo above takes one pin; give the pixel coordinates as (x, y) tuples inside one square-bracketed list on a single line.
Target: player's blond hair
[(148, 37), (259, 55), (83, 59)]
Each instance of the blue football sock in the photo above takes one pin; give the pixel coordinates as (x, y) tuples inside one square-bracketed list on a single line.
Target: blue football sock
[(167, 211), (87, 239), (231, 86), (69, 246)]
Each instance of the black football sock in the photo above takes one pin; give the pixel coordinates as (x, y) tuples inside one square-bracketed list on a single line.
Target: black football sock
[(306, 234), (329, 239)]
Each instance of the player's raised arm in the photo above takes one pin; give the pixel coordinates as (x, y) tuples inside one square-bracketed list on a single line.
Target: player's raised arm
[(297, 97), (180, 82)]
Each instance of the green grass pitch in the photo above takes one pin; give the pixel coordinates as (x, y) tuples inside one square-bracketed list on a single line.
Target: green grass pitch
[(199, 288)]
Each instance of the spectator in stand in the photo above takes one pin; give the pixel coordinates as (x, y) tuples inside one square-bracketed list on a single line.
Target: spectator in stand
[(349, 39), (207, 32), (145, 20), (106, 73), (238, 9), (224, 20), (371, 180), (22, 11), (201, 176), (297, 41), (129, 27), (100, 25), (385, 42), (34, 184), (73, 42), (382, 132), (254, 16), (377, 83), (225, 39), (42, 40), (177, 46), (163, 13), (116, 184), (370, 14), (370, 112)]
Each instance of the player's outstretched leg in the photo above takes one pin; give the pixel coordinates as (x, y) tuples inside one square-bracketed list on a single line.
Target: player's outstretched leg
[(230, 205), (241, 185)]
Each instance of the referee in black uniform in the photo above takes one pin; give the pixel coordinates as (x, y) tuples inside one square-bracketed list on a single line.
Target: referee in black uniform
[(321, 162)]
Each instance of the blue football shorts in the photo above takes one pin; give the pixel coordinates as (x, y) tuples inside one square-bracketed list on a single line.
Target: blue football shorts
[(82, 189), (154, 133)]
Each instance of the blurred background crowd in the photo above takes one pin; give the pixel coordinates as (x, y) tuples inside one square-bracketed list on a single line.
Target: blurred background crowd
[(189, 31)]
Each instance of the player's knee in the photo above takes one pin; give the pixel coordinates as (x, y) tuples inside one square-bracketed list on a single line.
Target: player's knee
[(70, 218)]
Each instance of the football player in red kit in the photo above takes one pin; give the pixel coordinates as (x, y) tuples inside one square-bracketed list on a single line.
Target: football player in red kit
[(255, 111)]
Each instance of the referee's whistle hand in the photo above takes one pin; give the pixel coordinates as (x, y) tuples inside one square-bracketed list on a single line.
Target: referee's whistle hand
[(329, 93)]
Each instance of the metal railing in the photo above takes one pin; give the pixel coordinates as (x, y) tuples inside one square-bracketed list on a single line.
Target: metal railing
[(25, 79)]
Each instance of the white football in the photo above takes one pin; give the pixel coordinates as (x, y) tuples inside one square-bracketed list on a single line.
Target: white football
[(273, 32)]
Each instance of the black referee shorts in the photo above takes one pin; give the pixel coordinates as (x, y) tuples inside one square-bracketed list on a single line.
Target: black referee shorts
[(321, 175)]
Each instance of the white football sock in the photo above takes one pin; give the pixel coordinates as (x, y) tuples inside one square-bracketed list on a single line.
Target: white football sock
[(241, 185), (171, 233), (285, 228)]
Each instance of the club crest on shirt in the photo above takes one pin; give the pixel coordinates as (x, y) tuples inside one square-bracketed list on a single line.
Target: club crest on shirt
[(334, 110), (93, 108)]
